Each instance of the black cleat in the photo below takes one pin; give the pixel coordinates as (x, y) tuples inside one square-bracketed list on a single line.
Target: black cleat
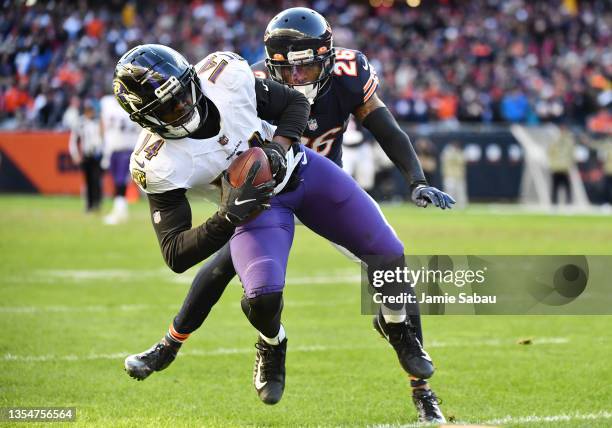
[(140, 366), (269, 372), (427, 406), (413, 358)]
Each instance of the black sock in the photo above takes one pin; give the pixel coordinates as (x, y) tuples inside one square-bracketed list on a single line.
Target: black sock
[(415, 383), (172, 340)]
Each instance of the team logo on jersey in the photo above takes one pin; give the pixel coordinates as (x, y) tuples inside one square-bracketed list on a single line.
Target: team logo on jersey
[(139, 177), (223, 140), (156, 217), (312, 124), (124, 94)]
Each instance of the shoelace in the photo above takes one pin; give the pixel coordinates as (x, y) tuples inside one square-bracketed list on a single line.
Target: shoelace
[(405, 335), (413, 343), (431, 400), (157, 348), (270, 359)]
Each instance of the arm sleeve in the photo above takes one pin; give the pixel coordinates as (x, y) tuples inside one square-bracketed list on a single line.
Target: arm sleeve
[(182, 247), (396, 144), (287, 107)]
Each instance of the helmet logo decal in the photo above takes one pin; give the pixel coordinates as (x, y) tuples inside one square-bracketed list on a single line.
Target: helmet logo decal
[(278, 57), (124, 95), (322, 50)]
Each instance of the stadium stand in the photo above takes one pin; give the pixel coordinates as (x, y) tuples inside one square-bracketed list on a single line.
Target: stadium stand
[(485, 61)]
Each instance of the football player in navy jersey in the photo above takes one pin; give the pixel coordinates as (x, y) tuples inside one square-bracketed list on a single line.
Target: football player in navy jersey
[(337, 82)]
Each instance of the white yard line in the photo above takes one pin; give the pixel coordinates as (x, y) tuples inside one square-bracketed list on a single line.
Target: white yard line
[(84, 276), (85, 308), (534, 419), (171, 307), (514, 420), (232, 351)]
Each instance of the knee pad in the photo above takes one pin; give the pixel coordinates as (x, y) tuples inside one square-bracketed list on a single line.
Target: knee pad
[(264, 312)]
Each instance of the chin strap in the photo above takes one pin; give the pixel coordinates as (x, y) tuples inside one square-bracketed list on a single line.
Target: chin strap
[(309, 91)]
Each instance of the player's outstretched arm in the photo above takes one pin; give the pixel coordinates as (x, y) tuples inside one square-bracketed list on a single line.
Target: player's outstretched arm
[(183, 246), (377, 118)]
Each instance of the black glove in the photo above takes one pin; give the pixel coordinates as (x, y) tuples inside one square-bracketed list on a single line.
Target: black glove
[(240, 204), (422, 195), (276, 156)]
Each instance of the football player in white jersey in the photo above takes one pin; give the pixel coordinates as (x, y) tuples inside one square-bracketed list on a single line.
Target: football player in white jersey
[(196, 120), (120, 135)]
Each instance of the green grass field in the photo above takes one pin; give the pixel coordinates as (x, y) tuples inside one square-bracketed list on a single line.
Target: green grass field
[(76, 297)]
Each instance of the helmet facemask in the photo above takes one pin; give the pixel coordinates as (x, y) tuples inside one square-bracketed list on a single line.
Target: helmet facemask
[(177, 111), (302, 70)]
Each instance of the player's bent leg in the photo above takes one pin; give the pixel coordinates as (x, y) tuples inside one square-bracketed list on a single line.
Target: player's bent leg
[(260, 250), (348, 216), (206, 289)]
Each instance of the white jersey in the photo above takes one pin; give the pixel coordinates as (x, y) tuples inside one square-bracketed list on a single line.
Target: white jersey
[(120, 133), (159, 165)]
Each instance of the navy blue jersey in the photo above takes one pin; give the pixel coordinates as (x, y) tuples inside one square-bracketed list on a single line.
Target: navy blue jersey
[(352, 83)]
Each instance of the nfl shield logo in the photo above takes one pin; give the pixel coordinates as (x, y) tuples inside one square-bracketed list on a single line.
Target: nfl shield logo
[(223, 140), (312, 124)]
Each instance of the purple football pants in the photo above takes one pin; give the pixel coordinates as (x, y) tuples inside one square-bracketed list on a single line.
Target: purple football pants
[(327, 201)]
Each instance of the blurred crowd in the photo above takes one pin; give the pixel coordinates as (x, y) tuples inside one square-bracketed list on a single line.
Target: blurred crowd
[(478, 61)]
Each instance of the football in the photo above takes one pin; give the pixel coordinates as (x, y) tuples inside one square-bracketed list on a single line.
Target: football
[(240, 167)]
